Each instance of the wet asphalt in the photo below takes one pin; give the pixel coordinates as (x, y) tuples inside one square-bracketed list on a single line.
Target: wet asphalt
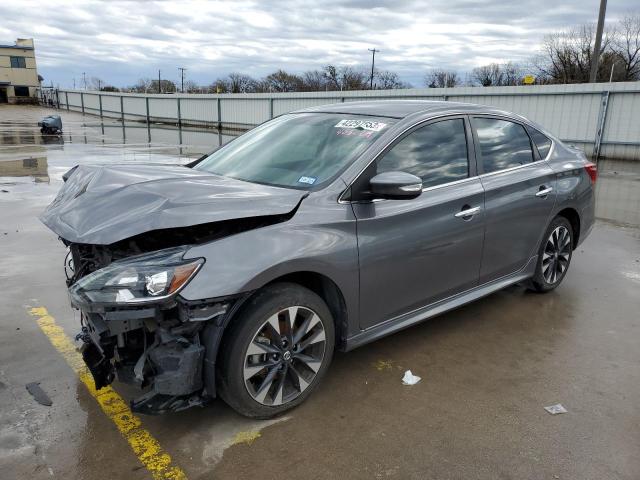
[(487, 369)]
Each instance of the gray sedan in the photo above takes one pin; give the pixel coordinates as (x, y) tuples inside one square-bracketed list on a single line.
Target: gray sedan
[(239, 274)]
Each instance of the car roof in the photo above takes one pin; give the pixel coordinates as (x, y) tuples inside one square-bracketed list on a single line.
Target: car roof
[(402, 108)]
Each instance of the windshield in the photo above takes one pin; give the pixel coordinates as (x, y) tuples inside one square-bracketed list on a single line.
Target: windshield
[(296, 150)]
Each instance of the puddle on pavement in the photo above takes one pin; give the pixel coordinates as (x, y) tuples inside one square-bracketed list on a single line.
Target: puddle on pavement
[(32, 164), (29, 159)]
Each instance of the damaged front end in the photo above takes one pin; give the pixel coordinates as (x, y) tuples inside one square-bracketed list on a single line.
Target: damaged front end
[(128, 228), (136, 329)]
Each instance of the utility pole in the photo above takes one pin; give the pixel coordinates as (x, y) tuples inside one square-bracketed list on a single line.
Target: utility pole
[(596, 48), (373, 63), (99, 86), (182, 69), (84, 80), (159, 83), (74, 83)]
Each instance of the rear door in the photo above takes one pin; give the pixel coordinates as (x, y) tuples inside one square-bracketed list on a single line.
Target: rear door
[(418, 251), (519, 194)]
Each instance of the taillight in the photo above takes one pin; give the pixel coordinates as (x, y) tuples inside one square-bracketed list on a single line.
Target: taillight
[(592, 170)]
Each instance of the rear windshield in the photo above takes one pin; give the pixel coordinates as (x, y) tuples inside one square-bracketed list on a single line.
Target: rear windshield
[(297, 150)]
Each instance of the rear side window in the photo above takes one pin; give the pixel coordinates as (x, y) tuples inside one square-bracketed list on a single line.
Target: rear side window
[(503, 144), (542, 142), (437, 153)]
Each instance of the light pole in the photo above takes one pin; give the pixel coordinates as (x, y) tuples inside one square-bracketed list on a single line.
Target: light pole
[(84, 80), (373, 63), (596, 48)]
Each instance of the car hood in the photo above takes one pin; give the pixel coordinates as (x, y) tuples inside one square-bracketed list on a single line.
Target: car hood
[(105, 204)]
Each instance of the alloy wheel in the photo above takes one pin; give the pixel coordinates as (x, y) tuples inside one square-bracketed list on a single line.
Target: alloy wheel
[(556, 255), (284, 356)]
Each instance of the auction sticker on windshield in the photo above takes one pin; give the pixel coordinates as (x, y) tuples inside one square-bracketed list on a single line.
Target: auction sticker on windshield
[(361, 124)]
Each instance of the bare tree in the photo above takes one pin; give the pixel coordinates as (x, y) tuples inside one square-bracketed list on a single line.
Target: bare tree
[(220, 85), (332, 77), (387, 80), (345, 78), (625, 44), (497, 74), (353, 79), (240, 83), (143, 85), (566, 56), (167, 86), (281, 81), (487, 75), (438, 78), (314, 81), (192, 87)]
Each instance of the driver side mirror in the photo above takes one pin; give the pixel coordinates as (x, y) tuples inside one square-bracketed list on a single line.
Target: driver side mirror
[(395, 185)]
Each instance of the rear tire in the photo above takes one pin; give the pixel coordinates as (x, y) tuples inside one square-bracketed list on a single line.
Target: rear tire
[(554, 256), (276, 351)]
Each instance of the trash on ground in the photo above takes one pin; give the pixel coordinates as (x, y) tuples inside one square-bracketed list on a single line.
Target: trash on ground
[(556, 409), (39, 394), (410, 379)]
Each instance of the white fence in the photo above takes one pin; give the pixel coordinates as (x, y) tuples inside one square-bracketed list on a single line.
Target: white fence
[(601, 118)]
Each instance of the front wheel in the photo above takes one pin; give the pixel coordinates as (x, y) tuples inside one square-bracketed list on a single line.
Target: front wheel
[(554, 255), (276, 351)]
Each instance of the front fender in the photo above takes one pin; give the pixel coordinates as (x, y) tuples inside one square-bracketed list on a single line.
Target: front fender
[(249, 260)]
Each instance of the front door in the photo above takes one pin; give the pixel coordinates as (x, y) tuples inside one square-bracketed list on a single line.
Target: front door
[(520, 191), (415, 252)]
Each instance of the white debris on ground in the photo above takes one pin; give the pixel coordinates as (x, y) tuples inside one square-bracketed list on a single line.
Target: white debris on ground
[(409, 378), (556, 409)]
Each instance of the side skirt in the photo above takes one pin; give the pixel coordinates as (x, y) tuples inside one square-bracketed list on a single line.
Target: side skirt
[(424, 313)]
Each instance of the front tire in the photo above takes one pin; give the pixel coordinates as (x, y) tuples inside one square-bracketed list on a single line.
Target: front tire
[(554, 256), (277, 350)]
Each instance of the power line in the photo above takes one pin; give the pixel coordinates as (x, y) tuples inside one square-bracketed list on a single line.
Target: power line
[(373, 63)]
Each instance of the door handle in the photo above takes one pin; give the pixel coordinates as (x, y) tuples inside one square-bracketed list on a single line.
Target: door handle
[(544, 192), (469, 212)]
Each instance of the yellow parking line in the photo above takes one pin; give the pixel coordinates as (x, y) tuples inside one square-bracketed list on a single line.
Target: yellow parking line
[(143, 444)]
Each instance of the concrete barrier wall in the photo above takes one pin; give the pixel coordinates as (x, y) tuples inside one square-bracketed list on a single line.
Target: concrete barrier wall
[(600, 118)]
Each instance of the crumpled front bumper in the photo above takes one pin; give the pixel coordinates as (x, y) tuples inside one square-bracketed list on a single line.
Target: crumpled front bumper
[(154, 350)]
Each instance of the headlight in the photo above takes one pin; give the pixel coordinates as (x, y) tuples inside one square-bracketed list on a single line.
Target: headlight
[(145, 278)]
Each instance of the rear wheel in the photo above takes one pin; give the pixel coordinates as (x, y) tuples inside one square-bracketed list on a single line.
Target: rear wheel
[(277, 350), (554, 256)]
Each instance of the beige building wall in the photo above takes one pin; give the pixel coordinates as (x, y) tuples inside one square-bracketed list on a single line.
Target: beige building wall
[(11, 77)]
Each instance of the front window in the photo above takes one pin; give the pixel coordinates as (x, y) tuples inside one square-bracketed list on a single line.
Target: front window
[(437, 153), (297, 150)]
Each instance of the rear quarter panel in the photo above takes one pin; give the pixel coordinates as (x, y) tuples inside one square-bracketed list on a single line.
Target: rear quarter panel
[(573, 186)]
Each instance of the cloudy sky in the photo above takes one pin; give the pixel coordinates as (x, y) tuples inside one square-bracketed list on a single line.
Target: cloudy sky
[(121, 42)]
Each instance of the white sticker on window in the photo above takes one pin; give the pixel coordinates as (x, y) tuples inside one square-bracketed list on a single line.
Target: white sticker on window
[(361, 124), (309, 180)]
